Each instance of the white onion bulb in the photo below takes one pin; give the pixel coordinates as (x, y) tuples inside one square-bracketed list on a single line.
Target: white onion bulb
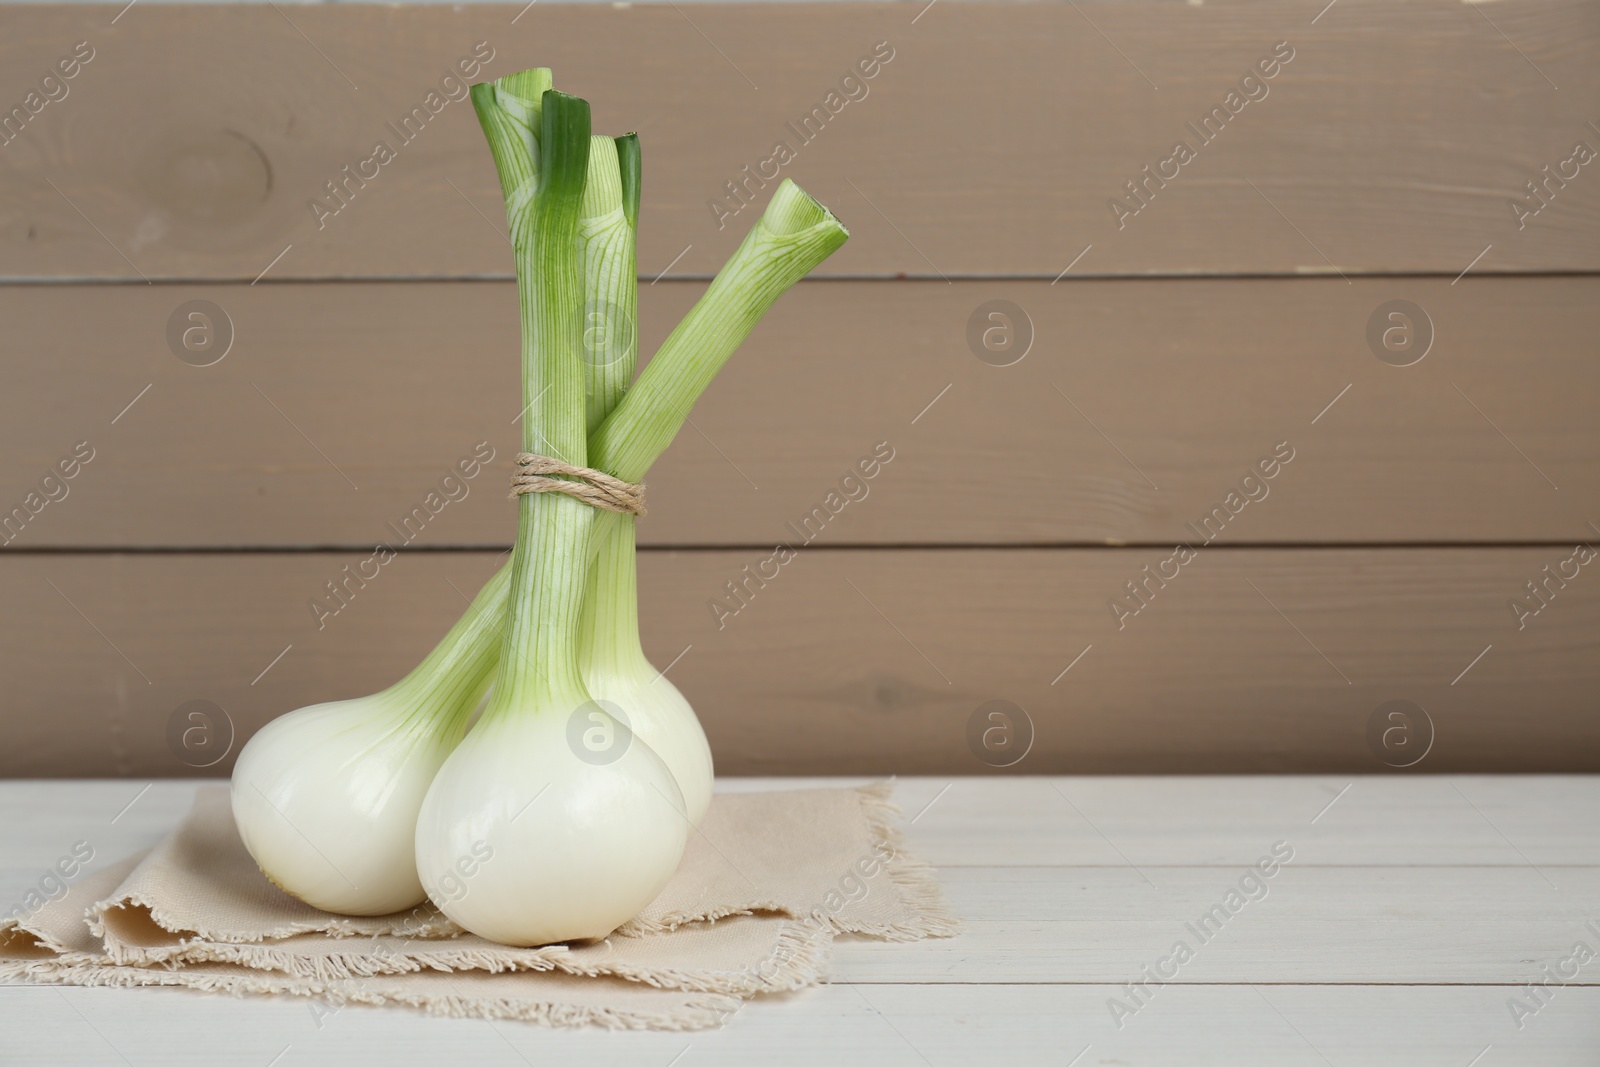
[(326, 797), (660, 717), (617, 674), (522, 841), (326, 801)]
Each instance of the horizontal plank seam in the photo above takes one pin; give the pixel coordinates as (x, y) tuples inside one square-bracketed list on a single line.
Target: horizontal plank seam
[(1223, 866), (23, 871), (889, 983), (1225, 985), (1303, 920), (497, 278), (763, 546)]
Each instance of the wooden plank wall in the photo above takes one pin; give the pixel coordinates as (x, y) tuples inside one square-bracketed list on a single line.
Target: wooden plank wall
[(1224, 319)]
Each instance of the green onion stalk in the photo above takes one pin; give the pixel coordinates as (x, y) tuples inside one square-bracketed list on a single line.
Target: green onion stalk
[(561, 778)]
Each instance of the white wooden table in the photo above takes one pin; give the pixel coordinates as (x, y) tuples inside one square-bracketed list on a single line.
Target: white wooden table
[(1413, 912)]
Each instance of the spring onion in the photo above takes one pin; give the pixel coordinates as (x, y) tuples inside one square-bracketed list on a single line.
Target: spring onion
[(562, 842), (326, 797), (609, 834)]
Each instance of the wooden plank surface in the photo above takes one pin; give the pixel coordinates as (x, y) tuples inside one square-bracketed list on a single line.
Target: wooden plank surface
[(980, 164), (992, 141), (1138, 407), (1370, 822), (865, 661), (906, 1025), (1357, 953), (1500, 825), (1428, 926)]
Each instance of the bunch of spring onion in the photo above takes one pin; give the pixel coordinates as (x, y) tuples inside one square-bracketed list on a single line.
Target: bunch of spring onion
[(518, 829)]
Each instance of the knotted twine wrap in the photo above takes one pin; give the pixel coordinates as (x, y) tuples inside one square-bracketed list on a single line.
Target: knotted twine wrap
[(537, 474)]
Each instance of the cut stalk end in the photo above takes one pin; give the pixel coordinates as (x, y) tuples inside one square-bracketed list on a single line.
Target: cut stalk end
[(793, 209)]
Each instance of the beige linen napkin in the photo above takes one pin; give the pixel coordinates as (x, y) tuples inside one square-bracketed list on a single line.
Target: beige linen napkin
[(766, 882), (55, 945)]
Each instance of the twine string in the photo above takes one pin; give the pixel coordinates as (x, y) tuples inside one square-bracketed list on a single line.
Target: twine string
[(542, 474)]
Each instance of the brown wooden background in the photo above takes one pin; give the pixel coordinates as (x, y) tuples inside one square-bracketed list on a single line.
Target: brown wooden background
[(371, 354)]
